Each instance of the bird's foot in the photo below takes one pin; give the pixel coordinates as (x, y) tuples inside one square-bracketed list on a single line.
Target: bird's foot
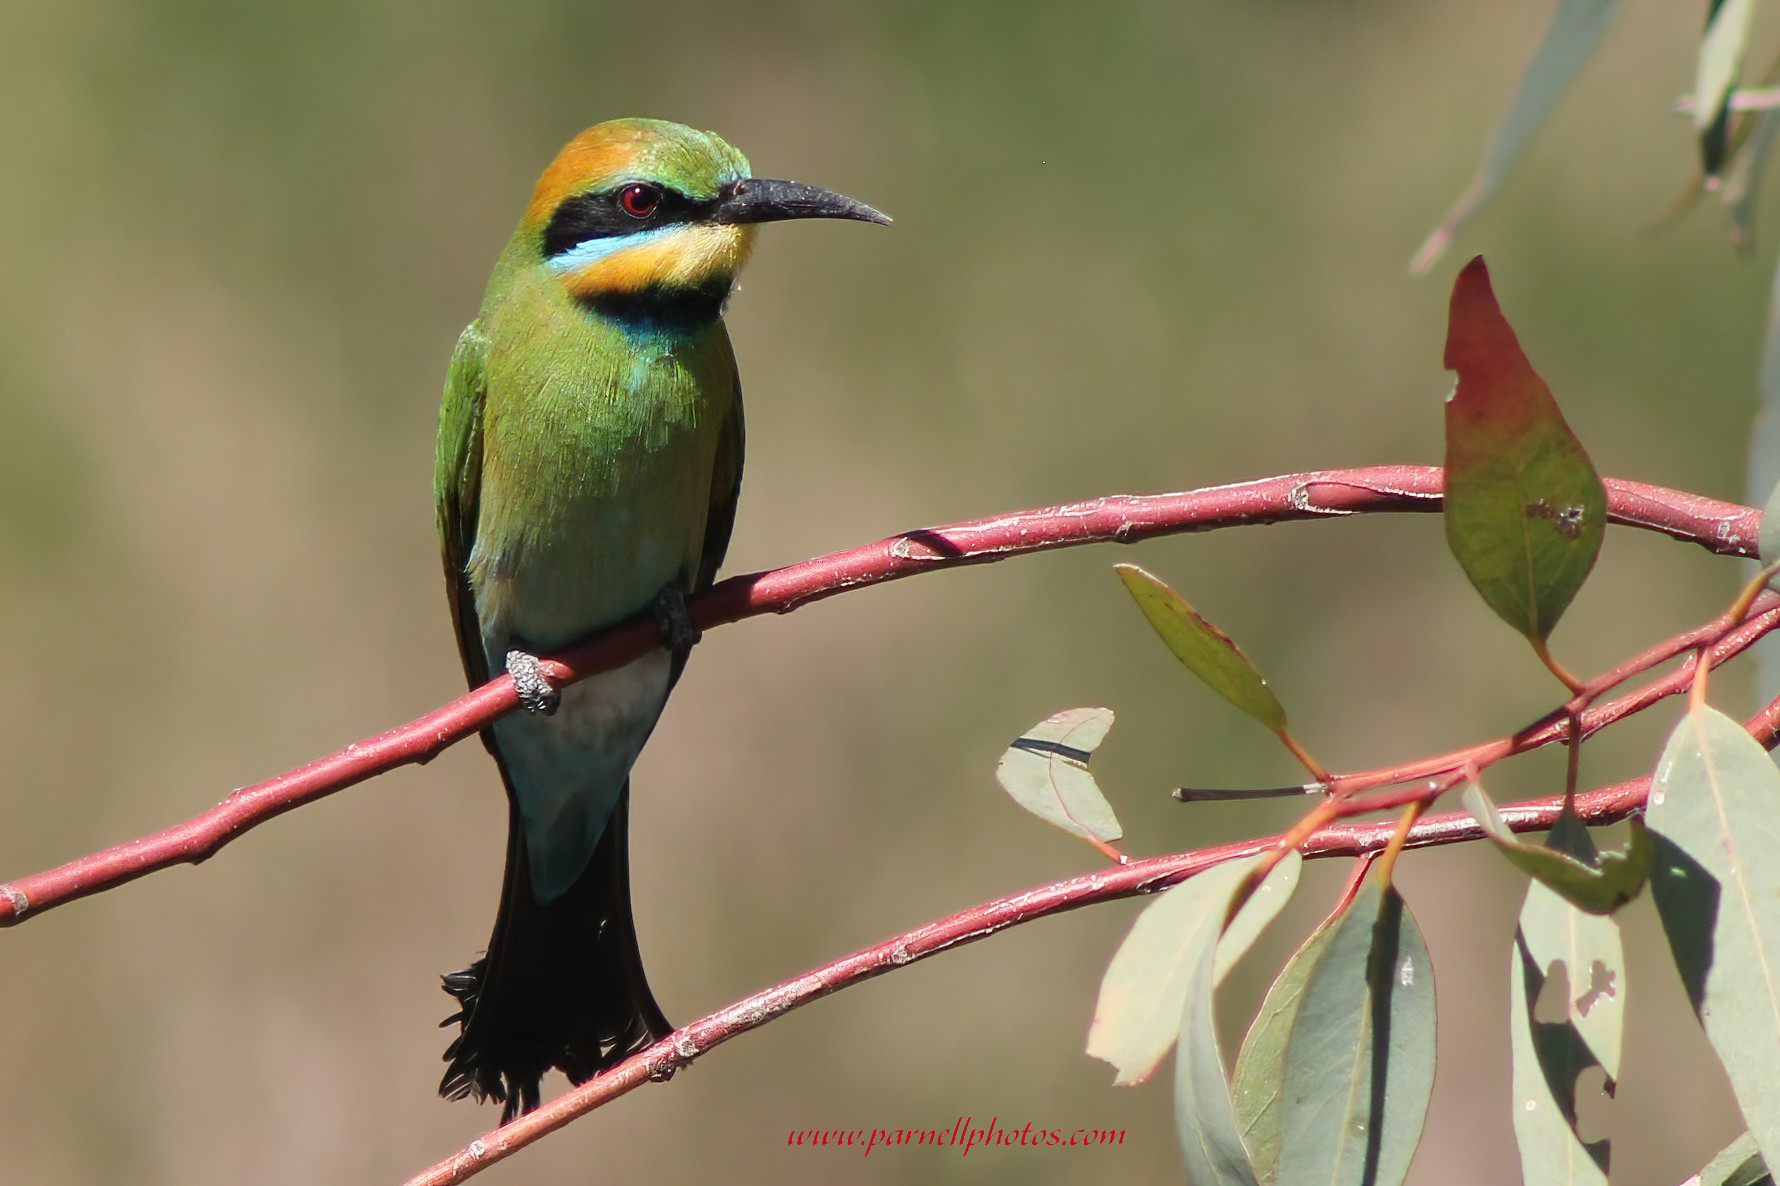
[(674, 621), (536, 695)]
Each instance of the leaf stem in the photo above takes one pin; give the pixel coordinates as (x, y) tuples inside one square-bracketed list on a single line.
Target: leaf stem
[(1570, 681), (1317, 770), (1387, 861)]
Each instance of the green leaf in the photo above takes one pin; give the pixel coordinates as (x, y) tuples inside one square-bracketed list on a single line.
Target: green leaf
[(1147, 984), (1359, 1062), (1721, 61), (1046, 772), (1525, 510), (1715, 811), (1562, 952), (1257, 1092), (1597, 887), (1576, 27), (1738, 1164), (1207, 651)]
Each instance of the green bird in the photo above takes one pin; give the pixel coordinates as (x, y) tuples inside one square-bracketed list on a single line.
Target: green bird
[(589, 458)]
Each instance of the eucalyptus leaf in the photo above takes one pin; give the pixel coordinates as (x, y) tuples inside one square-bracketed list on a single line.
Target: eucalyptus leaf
[(1720, 62), (1599, 887), (1558, 948), (1525, 511), (1046, 772), (1204, 1120), (1768, 542), (1257, 1090), (1208, 652), (1737, 1164), (1764, 480), (1575, 29), (1715, 811), (1147, 985), (1359, 1061), (1742, 189)]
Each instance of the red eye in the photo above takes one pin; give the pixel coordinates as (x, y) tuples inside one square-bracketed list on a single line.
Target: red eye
[(639, 201)]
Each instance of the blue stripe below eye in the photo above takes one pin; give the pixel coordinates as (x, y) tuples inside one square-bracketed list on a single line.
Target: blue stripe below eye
[(589, 250)]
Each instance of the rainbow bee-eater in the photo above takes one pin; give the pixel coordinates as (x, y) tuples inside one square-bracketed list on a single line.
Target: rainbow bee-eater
[(589, 458)]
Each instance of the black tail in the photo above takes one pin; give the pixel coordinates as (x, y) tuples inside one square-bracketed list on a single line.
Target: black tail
[(562, 984)]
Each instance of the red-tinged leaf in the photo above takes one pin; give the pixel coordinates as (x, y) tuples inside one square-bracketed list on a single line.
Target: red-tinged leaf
[(1525, 510)]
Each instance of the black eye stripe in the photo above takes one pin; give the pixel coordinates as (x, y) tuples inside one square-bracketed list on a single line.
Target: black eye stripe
[(599, 216)]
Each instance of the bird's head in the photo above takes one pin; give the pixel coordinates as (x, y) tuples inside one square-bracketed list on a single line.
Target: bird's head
[(645, 210)]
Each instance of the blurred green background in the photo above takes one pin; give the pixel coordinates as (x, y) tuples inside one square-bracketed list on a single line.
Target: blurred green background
[(1138, 247)]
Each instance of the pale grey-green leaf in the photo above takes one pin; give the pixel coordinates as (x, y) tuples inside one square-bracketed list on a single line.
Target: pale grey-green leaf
[(1359, 1064), (1721, 59), (1138, 1014), (1046, 772), (1257, 1089), (1269, 898), (1715, 812), (1204, 1119), (1576, 26), (1742, 188)]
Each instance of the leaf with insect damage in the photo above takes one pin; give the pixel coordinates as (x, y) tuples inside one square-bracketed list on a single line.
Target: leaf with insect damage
[(1525, 511), (1566, 1009)]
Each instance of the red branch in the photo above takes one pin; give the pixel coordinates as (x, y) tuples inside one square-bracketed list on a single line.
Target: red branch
[(1725, 528), (660, 1061)]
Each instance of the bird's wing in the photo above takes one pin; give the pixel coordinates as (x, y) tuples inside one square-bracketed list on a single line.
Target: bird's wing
[(726, 486), (457, 488)]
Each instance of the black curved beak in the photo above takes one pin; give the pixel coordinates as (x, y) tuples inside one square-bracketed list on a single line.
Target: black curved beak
[(759, 200)]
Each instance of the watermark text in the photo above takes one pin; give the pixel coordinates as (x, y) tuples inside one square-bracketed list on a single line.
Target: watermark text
[(962, 1136)]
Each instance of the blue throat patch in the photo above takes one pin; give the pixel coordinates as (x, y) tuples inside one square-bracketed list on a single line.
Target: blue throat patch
[(589, 250)]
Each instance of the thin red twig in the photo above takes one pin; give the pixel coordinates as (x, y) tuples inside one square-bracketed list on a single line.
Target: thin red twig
[(1718, 642), (681, 1047), (1725, 528), (1725, 637)]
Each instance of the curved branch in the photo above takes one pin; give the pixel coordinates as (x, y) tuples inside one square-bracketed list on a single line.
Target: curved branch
[(1721, 527), (662, 1060)]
